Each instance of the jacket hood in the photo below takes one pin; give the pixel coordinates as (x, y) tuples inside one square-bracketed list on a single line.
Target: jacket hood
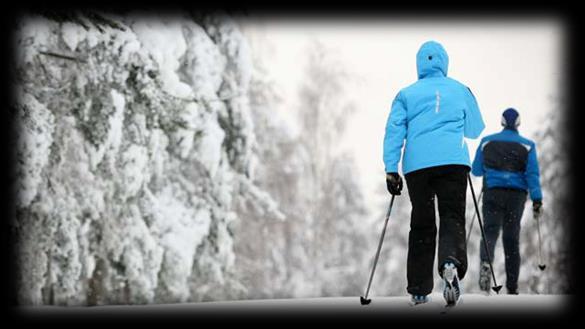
[(431, 60)]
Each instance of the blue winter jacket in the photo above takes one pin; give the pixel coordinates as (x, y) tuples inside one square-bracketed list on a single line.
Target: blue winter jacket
[(433, 116), (508, 160)]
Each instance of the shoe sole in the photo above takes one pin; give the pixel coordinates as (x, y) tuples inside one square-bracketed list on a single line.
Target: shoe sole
[(450, 291)]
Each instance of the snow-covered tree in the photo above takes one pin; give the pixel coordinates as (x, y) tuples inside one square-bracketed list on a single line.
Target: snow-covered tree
[(312, 244), (133, 136), (262, 260), (334, 236), (557, 222), (151, 166)]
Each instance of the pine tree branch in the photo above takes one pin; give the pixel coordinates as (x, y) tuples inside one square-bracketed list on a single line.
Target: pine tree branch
[(71, 58)]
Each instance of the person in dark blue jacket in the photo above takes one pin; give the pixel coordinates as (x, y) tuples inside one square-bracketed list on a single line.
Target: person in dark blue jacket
[(509, 165), (430, 119)]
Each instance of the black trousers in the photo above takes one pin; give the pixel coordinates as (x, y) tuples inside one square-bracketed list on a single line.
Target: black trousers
[(448, 184), (502, 210)]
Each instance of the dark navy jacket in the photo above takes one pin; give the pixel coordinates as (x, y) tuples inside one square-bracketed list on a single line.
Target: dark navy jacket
[(508, 160)]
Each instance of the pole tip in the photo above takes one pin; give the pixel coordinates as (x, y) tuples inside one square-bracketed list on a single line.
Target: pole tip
[(542, 267), (497, 289), (364, 301)]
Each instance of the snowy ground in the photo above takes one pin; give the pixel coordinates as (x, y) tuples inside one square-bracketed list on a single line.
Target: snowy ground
[(495, 306)]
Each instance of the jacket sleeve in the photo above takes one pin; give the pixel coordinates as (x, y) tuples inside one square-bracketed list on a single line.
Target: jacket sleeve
[(473, 121), (533, 175), (477, 166), (395, 133)]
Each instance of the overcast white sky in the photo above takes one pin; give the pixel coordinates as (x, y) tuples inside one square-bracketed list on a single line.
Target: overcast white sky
[(505, 63)]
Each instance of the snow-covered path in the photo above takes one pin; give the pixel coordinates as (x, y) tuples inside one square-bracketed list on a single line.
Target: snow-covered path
[(470, 305)]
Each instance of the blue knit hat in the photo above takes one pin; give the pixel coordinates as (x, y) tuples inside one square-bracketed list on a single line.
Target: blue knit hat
[(511, 119)]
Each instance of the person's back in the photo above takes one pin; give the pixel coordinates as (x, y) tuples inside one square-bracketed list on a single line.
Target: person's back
[(508, 160)]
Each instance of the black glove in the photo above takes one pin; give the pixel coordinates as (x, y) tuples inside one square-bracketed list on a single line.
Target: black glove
[(393, 183), (537, 208)]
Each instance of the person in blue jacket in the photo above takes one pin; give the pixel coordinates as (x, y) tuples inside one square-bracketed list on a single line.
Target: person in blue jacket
[(430, 120), (509, 165)]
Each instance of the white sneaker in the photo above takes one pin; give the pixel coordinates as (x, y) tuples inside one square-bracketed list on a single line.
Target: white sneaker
[(451, 289)]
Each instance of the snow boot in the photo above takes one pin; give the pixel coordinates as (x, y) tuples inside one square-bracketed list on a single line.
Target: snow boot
[(451, 289), (418, 299), (512, 291), (484, 277)]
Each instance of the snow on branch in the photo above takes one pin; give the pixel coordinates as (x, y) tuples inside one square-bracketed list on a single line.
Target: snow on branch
[(261, 199)]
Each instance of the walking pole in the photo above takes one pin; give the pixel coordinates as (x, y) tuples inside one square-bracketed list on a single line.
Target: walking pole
[(541, 265), (365, 300), (472, 221), (487, 251)]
